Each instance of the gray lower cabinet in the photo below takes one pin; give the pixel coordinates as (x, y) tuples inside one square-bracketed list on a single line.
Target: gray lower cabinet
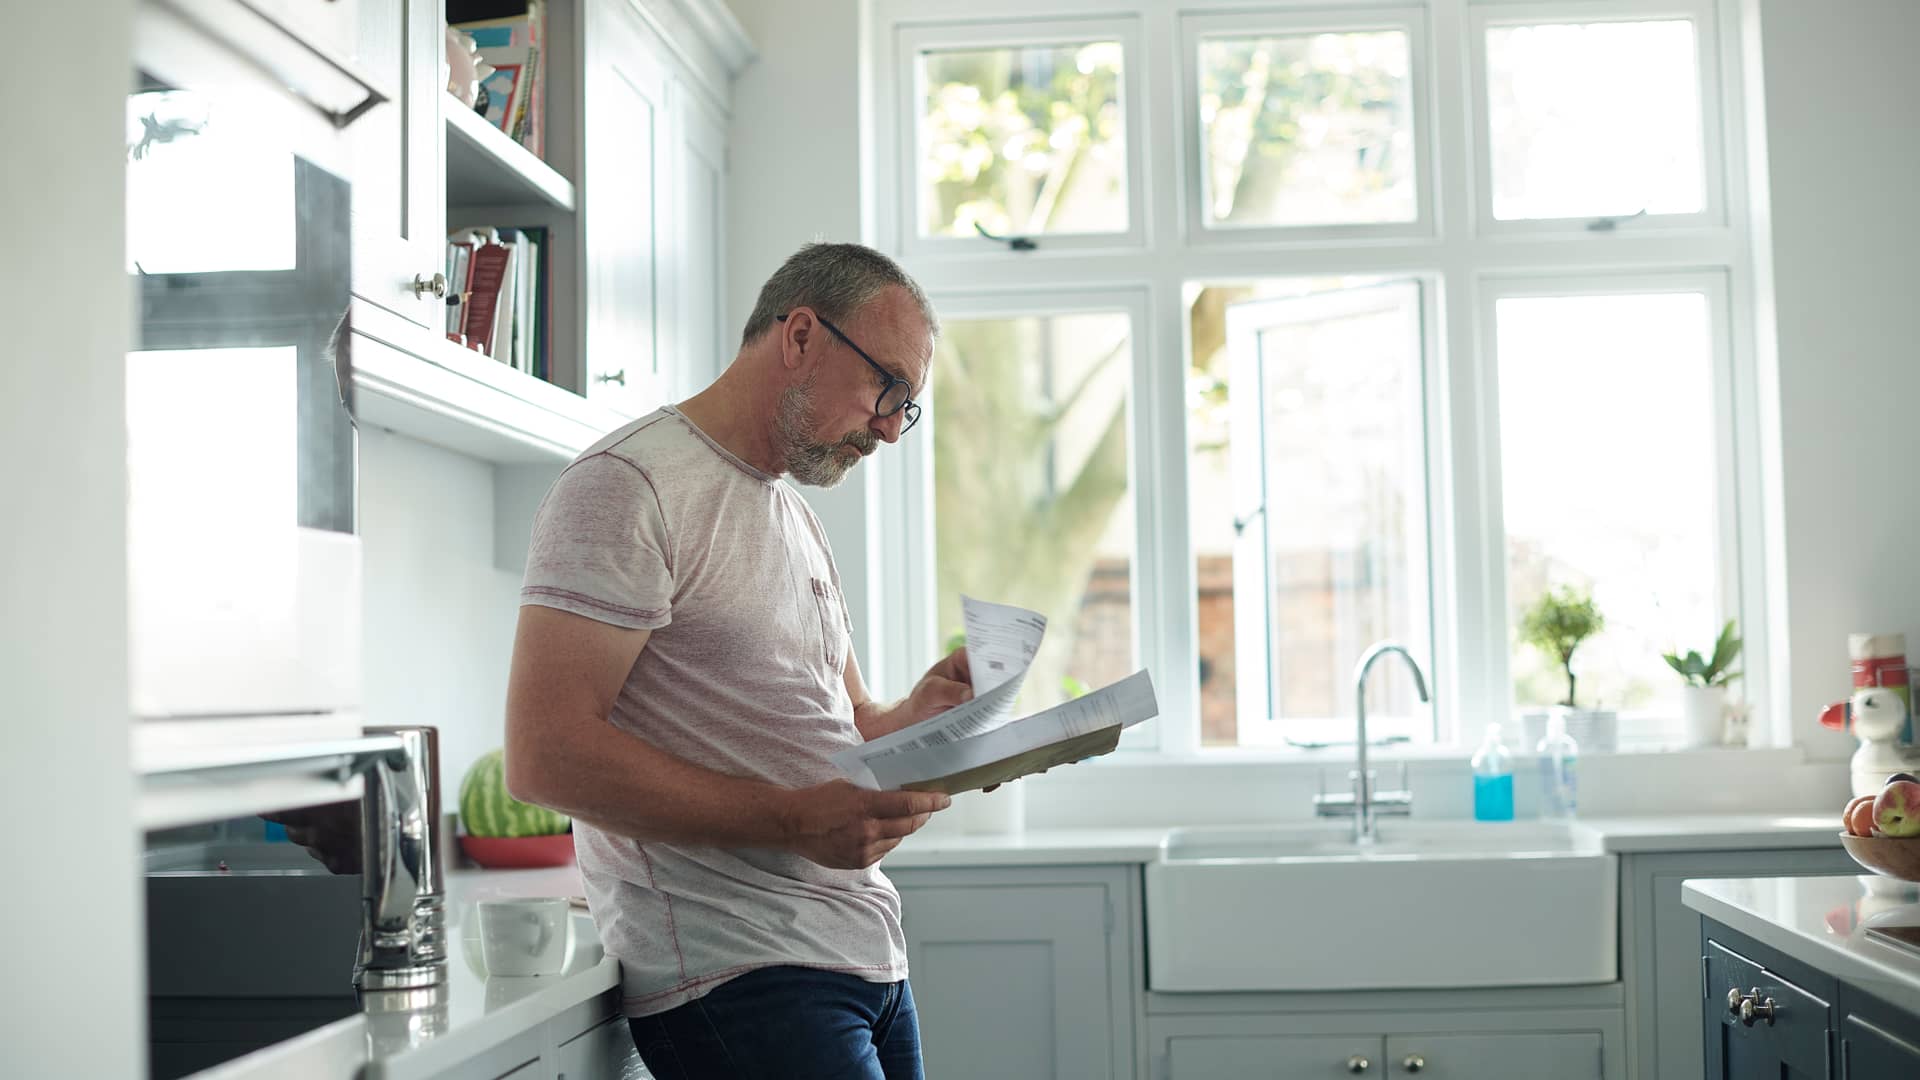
[(1024, 972), (1659, 946), (604, 1052), (1212, 1049)]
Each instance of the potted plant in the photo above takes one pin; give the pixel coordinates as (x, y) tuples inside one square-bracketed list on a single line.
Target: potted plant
[(1557, 624), (1704, 698), (499, 831)]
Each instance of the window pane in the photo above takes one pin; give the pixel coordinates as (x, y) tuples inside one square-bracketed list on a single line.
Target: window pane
[(1308, 129), (1611, 485), (1594, 120), (1023, 141), (1307, 487), (1032, 500)]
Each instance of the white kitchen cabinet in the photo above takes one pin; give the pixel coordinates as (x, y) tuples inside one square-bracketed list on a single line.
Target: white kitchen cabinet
[(1023, 972), (399, 204), (625, 163), (702, 343)]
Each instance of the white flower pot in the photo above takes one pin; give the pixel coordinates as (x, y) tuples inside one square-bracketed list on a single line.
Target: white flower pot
[(1705, 709)]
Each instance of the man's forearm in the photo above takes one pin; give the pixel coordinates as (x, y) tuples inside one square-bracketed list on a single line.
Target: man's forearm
[(873, 719), (621, 783)]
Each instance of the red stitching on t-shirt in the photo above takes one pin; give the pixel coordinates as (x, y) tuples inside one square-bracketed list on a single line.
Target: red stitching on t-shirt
[(673, 932), (593, 601)]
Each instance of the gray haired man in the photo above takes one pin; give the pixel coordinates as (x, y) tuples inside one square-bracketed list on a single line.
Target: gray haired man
[(681, 677)]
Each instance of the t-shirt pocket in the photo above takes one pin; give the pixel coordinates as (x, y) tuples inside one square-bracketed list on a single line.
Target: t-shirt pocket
[(833, 623)]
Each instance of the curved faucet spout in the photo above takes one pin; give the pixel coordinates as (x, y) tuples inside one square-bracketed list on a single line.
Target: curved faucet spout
[(1363, 824)]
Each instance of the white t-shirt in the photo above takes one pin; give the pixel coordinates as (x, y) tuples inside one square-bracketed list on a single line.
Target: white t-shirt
[(657, 527)]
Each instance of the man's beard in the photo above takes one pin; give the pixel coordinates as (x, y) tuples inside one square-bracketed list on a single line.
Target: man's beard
[(812, 463)]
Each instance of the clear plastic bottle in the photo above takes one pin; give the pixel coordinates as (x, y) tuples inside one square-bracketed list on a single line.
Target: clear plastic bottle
[(1492, 779), (1559, 771)]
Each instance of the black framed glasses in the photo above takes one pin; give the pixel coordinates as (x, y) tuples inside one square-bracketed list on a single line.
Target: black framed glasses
[(893, 392)]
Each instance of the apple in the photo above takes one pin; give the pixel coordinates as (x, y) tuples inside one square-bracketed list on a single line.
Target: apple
[(1896, 810), (1858, 816), (1904, 776)]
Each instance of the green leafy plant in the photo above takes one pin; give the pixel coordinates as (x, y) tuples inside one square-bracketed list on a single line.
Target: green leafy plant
[(1711, 672), (1556, 625)]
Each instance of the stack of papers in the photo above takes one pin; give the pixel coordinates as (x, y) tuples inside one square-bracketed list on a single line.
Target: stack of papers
[(979, 744)]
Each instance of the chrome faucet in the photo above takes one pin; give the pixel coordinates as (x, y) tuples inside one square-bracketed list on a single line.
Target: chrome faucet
[(1364, 804), (403, 943)]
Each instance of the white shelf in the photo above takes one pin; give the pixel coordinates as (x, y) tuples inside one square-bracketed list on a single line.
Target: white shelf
[(182, 787), (410, 381), (487, 168)]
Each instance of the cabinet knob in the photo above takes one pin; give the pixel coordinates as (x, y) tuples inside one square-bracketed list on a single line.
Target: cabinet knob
[(1414, 1063), (1734, 998), (1358, 1064), (1754, 1008), (437, 285), (618, 376)]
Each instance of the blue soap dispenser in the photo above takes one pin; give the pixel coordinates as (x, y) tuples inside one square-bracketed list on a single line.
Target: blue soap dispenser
[(1492, 779)]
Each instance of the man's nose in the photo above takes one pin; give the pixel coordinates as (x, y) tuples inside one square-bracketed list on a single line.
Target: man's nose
[(888, 427)]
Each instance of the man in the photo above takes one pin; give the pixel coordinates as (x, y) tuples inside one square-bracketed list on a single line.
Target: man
[(681, 676)]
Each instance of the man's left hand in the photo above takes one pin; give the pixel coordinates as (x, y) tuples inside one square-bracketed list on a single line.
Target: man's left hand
[(946, 684)]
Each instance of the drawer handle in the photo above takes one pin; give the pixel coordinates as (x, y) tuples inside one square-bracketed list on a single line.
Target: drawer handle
[(1414, 1063), (1358, 1064), (1753, 1007)]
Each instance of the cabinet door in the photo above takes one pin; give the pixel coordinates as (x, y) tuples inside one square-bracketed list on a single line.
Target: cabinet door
[(700, 345), (1868, 1051), (399, 148), (1793, 1045), (1571, 1055), (1012, 980), (626, 125), (1274, 1057), (601, 1053)]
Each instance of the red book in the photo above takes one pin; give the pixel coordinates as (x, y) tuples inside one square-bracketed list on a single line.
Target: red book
[(489, 266)]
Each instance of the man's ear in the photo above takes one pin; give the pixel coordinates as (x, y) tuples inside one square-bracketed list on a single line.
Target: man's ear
[(799, 339)]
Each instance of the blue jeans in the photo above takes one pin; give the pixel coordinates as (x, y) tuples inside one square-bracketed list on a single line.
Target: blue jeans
[(786, 1022)]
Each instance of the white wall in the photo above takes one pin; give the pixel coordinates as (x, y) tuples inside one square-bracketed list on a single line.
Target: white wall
[(795, 156), (1844, 238), (75, 997), (438, 618)]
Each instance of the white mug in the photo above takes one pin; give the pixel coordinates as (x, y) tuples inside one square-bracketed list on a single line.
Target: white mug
[(526, 937)]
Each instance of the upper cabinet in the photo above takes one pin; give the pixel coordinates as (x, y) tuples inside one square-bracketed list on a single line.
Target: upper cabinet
[(399, 214), (626, 199)]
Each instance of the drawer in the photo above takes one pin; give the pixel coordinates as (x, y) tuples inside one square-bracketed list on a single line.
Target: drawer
[(1797, 1035), (1274, 1057)]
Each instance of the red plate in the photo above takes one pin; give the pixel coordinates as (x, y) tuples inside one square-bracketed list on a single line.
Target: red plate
[(519, 852)]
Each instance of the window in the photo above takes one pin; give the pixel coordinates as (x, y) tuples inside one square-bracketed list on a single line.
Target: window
[(1376, 340), (1570, 134), (1032, 487), (1622, 503), (1308, 129)]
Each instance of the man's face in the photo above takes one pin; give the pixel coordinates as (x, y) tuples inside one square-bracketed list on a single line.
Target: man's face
[(827, 423)]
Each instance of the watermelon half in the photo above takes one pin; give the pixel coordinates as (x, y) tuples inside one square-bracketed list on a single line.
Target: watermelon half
[(487, 810)]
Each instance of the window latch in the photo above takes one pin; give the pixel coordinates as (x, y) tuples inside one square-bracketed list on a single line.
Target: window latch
[(1016, 243)]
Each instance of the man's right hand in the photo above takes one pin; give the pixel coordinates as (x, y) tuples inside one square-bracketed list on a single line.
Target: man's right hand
[(842, 825)]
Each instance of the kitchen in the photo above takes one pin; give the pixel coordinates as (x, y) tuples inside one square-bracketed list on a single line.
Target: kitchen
[(782, 122)]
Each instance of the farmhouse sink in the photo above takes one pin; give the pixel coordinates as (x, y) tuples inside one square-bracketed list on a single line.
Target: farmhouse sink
[(1430, 905)]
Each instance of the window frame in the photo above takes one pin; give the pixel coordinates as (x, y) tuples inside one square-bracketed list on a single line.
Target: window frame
[(1490, 14), (1196, 29), (912, 40), (1457, 263)]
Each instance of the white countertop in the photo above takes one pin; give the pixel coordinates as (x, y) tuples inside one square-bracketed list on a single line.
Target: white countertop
[(430, 1033), (1823, 921), (1621, 835)]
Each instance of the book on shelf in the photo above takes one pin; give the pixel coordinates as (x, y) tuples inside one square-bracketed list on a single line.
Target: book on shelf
[(501, 298), (511, 36)]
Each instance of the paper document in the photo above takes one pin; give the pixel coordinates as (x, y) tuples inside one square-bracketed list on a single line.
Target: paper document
[(979, 743)]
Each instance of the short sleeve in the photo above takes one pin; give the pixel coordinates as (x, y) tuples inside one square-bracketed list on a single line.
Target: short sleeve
[(600, 547)]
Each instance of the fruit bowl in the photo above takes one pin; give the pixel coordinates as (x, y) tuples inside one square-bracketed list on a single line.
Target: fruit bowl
[(519, 852), (1891, 856)]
